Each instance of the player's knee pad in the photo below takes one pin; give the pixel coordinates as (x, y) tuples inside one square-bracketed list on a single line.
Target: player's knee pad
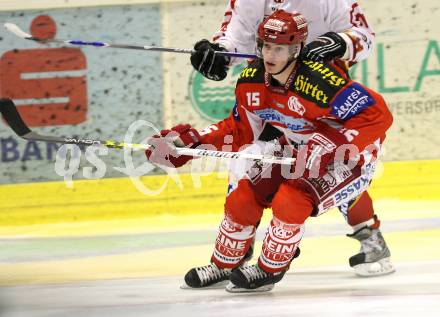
[(291, 204), (280, 245), (232, 243), (242, 206), (263, 178), (265, 182)]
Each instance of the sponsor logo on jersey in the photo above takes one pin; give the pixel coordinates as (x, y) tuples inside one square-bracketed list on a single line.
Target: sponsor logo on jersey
[(369, 168), (315, 93), (294, 124), (296, 106), (248, 73), (351, 101), (326, 143), (352, 190), (342, 172), (331, 76), (329, 203), (323, 185), (330, 180)]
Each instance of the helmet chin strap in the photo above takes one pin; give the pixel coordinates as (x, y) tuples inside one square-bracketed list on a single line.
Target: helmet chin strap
[(292, 59), (285, 67)]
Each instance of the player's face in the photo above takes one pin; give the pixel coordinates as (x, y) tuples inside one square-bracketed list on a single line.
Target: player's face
[(275, 56)]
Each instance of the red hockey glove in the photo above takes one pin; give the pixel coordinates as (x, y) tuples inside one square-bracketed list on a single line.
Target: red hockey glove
[(163, 150), (320, 151)]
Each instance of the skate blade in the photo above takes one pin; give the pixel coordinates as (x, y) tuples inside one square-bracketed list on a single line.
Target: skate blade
[(379, 268), (219, 285), (231, 288)]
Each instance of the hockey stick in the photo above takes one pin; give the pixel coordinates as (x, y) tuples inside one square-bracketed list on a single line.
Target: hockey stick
[(20, 33), (13, 118)]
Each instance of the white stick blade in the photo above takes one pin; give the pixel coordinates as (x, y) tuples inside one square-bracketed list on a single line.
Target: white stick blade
[(11, 27)]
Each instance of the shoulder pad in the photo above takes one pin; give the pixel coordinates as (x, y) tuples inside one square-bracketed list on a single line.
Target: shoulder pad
[(254, 73), (318, 82)]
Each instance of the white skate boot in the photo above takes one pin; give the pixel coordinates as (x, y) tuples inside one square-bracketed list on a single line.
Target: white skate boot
[(374, 256)]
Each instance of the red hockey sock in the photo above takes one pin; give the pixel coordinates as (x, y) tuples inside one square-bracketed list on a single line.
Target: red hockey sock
[(361, 213), (279, 246), (232, 243)]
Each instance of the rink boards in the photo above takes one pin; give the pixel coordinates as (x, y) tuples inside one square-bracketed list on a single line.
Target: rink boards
[(119, 198), (106, 229)]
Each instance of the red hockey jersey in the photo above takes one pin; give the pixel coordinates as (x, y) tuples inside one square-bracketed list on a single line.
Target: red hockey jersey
[(316, 96)]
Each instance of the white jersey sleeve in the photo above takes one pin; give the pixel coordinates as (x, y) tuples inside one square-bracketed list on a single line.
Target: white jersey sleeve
[(240, 25), (242, 17), (346, 18)]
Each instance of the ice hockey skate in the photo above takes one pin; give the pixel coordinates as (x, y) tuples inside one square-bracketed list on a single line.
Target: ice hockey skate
[(208, 276), (374, 256), (252, 278)]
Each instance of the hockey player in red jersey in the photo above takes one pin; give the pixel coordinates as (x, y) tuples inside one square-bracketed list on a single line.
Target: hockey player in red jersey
[(337, 30), (332, 125)]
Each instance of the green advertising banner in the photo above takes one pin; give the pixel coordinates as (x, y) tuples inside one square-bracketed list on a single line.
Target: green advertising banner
[(404, 67)]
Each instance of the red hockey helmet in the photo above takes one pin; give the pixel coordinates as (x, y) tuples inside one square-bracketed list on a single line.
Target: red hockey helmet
[(282, 27)]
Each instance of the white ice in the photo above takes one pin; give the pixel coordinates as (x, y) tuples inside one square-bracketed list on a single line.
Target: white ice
[(414, 290)]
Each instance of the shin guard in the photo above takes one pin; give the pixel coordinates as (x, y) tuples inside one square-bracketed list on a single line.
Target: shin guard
[(280, 245), (233, 241)]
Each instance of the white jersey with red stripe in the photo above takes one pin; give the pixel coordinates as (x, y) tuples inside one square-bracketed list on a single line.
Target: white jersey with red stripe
[(242, 17)]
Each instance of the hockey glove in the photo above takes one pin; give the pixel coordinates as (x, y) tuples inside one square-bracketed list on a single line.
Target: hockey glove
[(209, 64), (320, 151), (324, 48), (163, 150)]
